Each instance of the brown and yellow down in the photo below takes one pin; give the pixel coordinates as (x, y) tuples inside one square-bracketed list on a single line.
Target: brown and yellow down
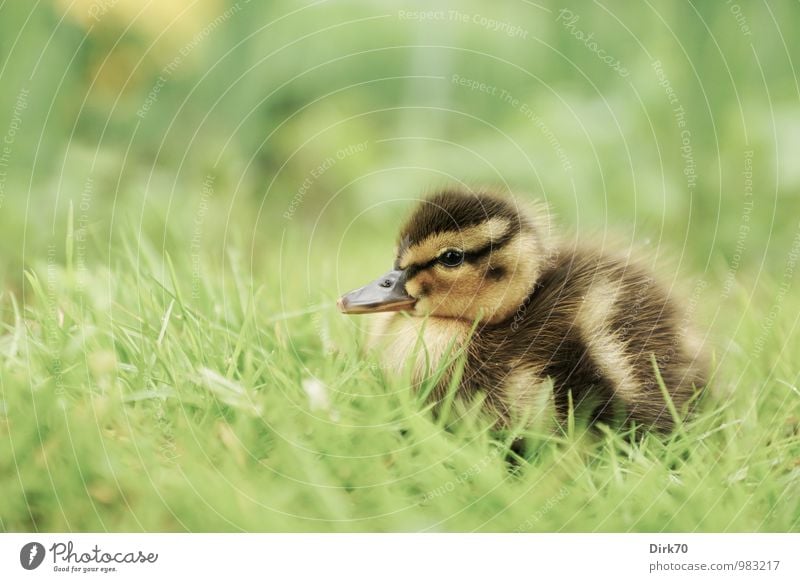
[(539, 320)]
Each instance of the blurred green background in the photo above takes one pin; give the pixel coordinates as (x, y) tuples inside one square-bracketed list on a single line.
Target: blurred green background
[(128, 107), (259, 157)]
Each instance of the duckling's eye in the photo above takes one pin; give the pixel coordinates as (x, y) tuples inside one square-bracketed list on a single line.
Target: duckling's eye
[(451, 258)]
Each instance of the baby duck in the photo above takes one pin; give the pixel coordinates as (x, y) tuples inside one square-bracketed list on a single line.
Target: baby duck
[(536, 319)]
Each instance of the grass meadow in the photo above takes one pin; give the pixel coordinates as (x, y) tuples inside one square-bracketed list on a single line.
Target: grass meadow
[(185, 190)]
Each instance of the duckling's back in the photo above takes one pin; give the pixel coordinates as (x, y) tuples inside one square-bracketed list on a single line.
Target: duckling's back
[(592, 324)]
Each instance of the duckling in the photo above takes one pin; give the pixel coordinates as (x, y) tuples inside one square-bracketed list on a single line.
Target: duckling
[(537, 319)]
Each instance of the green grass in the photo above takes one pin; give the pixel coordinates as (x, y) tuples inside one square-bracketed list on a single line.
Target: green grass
[(156, 333), (130, 403)]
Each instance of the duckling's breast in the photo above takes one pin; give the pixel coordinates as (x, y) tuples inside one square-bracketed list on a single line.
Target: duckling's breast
[(424, 343)]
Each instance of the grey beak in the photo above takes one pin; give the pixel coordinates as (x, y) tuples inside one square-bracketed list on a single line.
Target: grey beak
[(387, 293)]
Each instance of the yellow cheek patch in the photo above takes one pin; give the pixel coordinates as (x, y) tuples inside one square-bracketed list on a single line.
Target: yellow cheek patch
[(415, 286), (498, 300), (470, 238), (469, 292)]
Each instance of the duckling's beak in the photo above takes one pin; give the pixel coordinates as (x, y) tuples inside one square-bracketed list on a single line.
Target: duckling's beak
[(387, 293)]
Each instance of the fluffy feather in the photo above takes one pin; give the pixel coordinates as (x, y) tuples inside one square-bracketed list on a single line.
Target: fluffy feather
[(550, 315)]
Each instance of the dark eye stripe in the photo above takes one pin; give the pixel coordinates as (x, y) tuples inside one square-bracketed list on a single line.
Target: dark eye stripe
[(469, 256), (477, 254), (416, 268)]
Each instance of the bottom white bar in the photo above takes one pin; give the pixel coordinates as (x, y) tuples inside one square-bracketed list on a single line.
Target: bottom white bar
[(406, 557)]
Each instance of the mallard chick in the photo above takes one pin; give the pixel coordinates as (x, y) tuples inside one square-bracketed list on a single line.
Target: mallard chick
[(536, 318)]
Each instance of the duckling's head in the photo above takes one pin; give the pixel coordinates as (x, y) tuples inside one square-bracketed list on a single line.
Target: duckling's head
[(462, 254)]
